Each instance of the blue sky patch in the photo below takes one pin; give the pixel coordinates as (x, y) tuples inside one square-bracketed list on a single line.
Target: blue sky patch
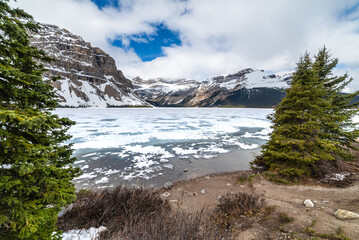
[(348, 11), (341, 66), (105, 3), (149, 47)]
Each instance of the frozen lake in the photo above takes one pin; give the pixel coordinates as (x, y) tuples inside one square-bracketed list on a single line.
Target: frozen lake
[(154, 145)]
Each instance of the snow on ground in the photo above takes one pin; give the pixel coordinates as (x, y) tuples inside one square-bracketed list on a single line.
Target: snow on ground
[(83, 234), (337, 176)]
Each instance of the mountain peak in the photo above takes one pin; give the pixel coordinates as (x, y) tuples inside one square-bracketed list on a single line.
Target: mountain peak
[(88, 75), (247, 87)]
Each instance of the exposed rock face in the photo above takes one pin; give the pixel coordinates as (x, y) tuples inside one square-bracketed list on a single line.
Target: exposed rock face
[(88, 75), (246, 88), (167, 93)]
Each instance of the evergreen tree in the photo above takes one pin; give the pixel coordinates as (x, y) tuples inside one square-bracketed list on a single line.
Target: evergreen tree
[(311, 124), (35, 163), (340, 128)]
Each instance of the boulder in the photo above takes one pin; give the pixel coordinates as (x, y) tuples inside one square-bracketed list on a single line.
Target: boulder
[(308, 203), (345, 215), (168, 185)]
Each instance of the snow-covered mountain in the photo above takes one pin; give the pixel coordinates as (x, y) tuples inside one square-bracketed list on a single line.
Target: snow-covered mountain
[(163, 92), (246, 88), (88, 75), (89, 78)]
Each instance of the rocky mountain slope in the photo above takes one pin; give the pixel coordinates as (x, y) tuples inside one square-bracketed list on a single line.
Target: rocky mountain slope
[(246, 88), (88, 75)]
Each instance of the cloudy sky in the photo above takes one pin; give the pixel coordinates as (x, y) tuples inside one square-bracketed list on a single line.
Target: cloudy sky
[(203, 38)]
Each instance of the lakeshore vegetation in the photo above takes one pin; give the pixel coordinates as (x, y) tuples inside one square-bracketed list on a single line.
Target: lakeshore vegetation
[(34, 182), (313, 130)]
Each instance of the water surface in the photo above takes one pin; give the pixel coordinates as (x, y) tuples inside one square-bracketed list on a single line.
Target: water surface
[(155, 145)]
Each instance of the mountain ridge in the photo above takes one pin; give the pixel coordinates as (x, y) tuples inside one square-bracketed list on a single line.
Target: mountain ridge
[(88, 76), (246, 88)]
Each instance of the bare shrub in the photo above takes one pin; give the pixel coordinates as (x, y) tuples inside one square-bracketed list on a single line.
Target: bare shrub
[(243, 176), (325, 170), (113, 208), (240, 204), (236, 212), (137, 214)]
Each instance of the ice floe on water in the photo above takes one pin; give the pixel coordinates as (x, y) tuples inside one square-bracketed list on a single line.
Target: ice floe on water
[(89, 155), (148, 150), (79, 161), (112, 171), (102, 180), (115, 145), (181, 151), (86, 175), (84, 167), (204, 156)]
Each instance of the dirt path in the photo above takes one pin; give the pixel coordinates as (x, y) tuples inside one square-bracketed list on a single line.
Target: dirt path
[(308, 222)]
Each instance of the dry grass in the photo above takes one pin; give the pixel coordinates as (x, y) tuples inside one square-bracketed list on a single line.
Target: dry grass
[(137, 213), (177, 226), (140, 214), (243, 203), (236, 212)]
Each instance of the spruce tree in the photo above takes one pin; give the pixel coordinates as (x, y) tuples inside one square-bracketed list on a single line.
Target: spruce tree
[(312, 124), (340, 128), (35, 162)]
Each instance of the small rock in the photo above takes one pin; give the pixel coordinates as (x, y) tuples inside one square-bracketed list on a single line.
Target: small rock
[(185, 170), (242, 216), (173, 201), (165, 195), (203, 191), (228, 184), (324, 201), (189, 194), (344, 214), (168, 185), (207, 177), (308, 203)]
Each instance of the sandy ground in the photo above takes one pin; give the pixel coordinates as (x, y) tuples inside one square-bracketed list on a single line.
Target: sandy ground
[(187, 196)]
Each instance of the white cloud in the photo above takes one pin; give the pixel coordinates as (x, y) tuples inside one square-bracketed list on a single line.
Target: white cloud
[(218, 36)]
